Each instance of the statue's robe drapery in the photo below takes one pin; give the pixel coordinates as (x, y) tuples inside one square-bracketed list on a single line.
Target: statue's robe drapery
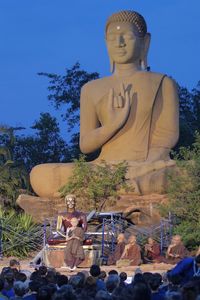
[(74, 253), (116, 255), (154, 253), (133, 254), (64, 220), (179, 250)]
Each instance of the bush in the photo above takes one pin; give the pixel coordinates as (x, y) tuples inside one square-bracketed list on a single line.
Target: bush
[(19, 234), (184, 194), (93, 184)]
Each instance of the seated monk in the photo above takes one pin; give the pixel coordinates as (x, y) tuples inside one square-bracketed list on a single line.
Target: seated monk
[(132, 253), (151, 251), (119, 249), (131, 115), (176, 250), (74, 253)]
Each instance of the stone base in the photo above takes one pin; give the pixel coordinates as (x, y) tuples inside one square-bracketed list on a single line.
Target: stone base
[(141, 210)]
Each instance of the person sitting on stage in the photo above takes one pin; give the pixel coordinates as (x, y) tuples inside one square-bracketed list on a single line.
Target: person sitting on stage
[(64, 218), (74, 253), (132, 253), (119, 249), (176, 250), (151, 251)]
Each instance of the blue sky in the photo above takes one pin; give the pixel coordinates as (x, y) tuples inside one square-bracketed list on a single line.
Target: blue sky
[(51, 35)]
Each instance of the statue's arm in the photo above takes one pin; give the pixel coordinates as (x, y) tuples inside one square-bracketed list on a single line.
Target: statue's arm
[(166, 126), (92, 134)]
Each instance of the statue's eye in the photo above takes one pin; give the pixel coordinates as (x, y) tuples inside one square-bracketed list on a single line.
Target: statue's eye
[(111, 37), (129, 36)]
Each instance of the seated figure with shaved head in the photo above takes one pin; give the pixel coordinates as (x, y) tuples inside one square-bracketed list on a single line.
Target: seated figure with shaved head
[(131, 115)]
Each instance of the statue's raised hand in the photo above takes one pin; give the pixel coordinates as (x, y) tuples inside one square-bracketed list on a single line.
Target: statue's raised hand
[(118, 107)]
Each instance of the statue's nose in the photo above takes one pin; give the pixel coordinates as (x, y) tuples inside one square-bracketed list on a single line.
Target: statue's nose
[(120, 41)]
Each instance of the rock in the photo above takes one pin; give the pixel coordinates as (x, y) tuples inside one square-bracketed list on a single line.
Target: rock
[(40, 208)]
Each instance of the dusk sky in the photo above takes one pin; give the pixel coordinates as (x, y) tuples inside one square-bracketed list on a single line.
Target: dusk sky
[(51, 35)]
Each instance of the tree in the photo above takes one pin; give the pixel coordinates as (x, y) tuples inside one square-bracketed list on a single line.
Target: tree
[(94, 184), (45, 146), (65, 96), (184, 194), (13, 175), (189, 115), (65, 92)]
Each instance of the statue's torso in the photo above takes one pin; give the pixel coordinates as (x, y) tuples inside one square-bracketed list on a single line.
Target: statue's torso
[(132, 141)]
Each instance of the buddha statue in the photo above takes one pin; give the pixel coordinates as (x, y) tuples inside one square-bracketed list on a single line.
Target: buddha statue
[(131, 116)]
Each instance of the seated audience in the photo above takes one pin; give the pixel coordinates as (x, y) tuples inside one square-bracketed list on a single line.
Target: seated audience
[(187, 268), (95, 272), (154, 283)]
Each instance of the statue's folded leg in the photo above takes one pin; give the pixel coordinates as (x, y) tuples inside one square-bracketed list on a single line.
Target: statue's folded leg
[(47, 179), (151, 177)]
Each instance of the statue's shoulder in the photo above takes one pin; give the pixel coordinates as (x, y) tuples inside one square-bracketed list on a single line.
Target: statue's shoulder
[(96, 85), (156, 77)]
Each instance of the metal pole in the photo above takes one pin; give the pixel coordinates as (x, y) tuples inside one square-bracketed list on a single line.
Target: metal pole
[(102, 241), (1, 244), (44, 233), (161, 236)]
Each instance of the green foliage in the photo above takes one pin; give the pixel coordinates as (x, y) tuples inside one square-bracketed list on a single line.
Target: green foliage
[(20, 235), (13, 175), (65, 91), (189, 115), (184, 194), (46, 145), (93, 184)]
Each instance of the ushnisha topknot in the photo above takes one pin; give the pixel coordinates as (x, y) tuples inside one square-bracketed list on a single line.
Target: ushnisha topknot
[(129, 16)]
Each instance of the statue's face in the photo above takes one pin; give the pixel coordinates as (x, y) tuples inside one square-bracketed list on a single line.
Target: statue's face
[(123, 44), (70, 202)]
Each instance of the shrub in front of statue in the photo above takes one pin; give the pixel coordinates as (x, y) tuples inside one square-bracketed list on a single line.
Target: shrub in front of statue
[(184, 194), (19, 234), (94, 184)]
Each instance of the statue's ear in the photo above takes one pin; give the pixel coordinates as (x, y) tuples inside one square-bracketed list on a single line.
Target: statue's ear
[(147, 39), (112, 65)]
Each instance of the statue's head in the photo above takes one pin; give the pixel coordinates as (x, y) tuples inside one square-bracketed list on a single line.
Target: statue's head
[(127, 38), (70, 201)]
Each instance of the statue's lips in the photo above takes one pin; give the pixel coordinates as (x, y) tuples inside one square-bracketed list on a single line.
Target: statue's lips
[(120, 53)]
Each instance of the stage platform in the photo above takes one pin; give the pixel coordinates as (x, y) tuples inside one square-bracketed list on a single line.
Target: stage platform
[(154, 268)]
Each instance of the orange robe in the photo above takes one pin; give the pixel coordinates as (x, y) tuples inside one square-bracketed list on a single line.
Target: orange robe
[(133, 254)]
